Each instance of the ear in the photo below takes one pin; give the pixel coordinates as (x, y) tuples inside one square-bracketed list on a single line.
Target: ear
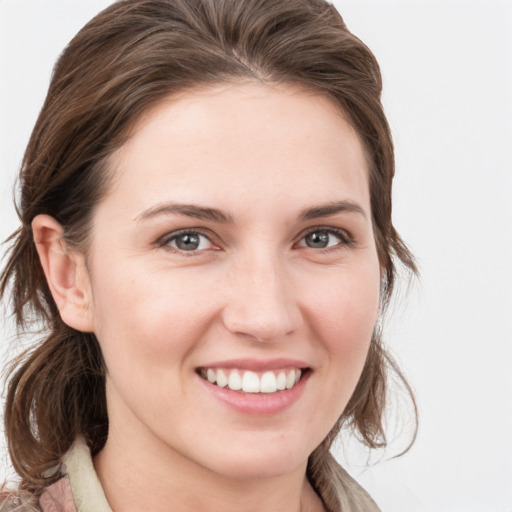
[(66, 274)]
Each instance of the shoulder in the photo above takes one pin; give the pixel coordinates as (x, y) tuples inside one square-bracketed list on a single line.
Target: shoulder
[(11, 501), (338, 490), (58, 497), (55, 498), (77, 488)]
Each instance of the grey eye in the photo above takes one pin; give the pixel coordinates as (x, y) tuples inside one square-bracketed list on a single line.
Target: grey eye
[(188, 241), (317, 240), (321, 239)]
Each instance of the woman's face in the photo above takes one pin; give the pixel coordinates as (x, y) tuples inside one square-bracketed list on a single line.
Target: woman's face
[(235, 248)]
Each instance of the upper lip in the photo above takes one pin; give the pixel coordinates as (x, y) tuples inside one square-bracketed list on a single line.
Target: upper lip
[(258, 364)]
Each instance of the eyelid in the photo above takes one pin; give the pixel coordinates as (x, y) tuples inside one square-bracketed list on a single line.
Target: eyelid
[(346, 238), (164, 240)]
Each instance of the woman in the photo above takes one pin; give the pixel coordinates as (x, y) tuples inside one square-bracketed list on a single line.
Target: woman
[(206, 234)]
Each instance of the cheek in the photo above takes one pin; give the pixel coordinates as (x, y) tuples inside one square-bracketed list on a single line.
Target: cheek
[(343, 313), (347, 302), (148, 323)]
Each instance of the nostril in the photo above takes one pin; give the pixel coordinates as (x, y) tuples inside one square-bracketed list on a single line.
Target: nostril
[(262, 326)]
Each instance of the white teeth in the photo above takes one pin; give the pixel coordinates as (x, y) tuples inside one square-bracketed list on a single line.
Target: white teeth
[(250, 382), (234, 381), (290, 379), (268, 383), (222, 380), (281, 381)]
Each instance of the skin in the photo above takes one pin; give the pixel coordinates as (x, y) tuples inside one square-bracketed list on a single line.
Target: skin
[(253, 289)]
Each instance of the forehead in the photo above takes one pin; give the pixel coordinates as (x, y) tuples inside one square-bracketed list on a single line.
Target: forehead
[(264, 140)]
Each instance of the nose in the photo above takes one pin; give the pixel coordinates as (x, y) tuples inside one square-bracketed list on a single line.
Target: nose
[(261, 304)]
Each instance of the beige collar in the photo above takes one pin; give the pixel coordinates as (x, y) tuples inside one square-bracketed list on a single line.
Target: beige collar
[(87, 492)]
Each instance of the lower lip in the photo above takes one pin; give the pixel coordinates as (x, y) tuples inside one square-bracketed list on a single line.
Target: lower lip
[(258, 404)]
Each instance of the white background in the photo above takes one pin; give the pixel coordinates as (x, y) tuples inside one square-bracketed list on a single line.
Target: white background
[(447, 69)]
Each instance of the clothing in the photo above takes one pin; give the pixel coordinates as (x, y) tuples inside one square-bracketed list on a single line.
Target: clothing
[(79, 490)]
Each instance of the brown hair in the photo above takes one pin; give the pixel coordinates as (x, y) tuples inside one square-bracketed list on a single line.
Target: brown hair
[(125, 60)]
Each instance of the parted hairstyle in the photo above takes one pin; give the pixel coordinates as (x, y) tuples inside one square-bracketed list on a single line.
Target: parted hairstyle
[(124, 61)]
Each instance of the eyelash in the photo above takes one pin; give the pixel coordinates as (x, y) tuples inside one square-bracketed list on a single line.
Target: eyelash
[(346, 240), (165, 241)]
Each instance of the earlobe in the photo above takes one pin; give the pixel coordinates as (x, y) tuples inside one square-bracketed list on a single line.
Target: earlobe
[(65, 272)]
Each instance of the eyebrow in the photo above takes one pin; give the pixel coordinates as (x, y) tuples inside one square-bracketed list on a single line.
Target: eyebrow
[(221, 217), (330, 209), (188, 210)]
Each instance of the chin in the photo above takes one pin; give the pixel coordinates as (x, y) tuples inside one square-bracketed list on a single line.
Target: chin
[(250, 468), (265, 461)]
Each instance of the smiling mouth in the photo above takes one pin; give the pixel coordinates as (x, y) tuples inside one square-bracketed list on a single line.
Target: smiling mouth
[(247, 381)]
